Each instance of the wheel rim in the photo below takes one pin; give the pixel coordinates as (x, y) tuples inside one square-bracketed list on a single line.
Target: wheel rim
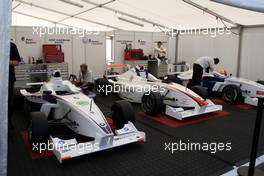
[(230, 94), (147, 103)]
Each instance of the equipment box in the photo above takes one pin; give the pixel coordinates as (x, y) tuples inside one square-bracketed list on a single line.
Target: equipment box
[(52, 53)]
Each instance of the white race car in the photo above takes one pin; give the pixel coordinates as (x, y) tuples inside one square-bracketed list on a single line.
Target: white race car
[(232, 89), (138, 86), (62, 104)]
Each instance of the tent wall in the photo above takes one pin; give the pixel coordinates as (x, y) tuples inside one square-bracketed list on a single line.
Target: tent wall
[(190, 47), (193, 46), (76, 51), (252, 55), (92, 48), (144, 40)]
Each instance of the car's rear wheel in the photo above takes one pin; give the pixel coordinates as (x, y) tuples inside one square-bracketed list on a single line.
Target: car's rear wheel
[(232, 93), (201, 91), (174, 79), (152, 103), (122, 113), (38, 131), (260, 82)]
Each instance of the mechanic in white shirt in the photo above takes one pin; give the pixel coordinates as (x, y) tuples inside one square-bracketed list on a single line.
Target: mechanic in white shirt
[(159, 52), (85, 75), (202, 64)]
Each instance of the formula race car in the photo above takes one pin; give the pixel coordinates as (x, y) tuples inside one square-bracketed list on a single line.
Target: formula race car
[(232, 89), (138, 86), (62, 104)]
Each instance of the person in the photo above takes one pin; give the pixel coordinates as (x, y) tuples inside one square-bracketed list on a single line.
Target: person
[(85, 76), (159, 51), (14, 61), (202, 64), (141, 71)]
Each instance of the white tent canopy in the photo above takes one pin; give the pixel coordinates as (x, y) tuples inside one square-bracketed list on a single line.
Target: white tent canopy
[(103, 15)]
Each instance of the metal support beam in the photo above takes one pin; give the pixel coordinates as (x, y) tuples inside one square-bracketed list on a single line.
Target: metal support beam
[(16, 6), (79, 13), (240, 39), (177, 47), (66, 14), (44, 19), (127, 14), (210, 12)]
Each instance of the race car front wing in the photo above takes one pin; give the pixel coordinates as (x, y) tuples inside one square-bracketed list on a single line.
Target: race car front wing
[(180, 113), (67, 149)]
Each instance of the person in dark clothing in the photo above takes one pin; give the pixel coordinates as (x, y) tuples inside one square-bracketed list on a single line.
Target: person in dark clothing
[(14, 61), (203, 63)]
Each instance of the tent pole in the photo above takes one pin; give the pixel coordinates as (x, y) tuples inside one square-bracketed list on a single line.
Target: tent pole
[(126, 14), (44, 19), (5, 23), (69, 15), (240, 39), (210, 12), (98, 6), (177, 47)]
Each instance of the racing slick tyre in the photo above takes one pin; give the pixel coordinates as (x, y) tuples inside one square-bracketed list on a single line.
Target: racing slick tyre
[(174, 79), (38, 131), (152, 103), (123, 112), (201, 91), (232, 93), (102, 86), (260, 82)]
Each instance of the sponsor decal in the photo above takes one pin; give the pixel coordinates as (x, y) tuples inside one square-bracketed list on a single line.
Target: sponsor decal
[(102, 124), (260, 92), (28, 40), (124, 42), (142, 42), (94, 42), (61, 142), (59, 41), (82, 103), (126, 129)]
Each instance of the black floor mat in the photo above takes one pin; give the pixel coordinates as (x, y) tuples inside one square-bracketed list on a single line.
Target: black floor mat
[(149, 158), (236, 128)]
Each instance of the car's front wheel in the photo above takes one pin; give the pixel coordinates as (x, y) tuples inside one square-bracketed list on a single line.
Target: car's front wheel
[(201, 91), (122, 113), (38, 131), (152, 103)]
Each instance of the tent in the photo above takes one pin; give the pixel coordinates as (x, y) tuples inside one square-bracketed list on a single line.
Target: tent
[(109, 15), (144, 15)]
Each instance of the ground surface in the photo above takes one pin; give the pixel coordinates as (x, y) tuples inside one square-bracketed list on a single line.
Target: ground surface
[(147, 158)]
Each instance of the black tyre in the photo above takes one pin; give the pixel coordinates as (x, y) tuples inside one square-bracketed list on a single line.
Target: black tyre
[(201, 91), (232, 93), (102, 86), (38, 131), (152, 103), (122, 113), (260, 82), (174, 79)]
